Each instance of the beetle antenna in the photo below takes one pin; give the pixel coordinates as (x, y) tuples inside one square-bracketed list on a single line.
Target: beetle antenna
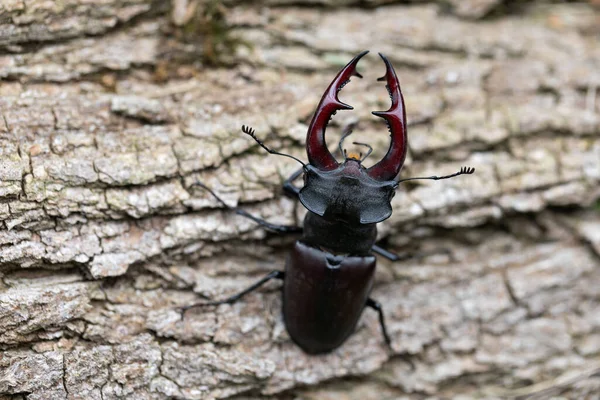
[(463, 171), (366, 145), (252, 133)]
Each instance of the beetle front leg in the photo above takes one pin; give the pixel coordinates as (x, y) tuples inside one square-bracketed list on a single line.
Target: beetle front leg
[(374, 304), (288, 186), (236, 297)]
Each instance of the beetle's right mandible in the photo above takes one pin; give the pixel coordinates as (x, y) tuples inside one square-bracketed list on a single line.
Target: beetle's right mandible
[(390, 165), (316, 148)]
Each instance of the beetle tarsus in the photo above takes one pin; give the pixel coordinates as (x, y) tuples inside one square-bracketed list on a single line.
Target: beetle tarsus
[(463, 171), (375, 305), (236, 297)]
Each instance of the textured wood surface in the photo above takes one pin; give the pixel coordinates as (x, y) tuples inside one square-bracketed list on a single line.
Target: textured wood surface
[(109, 116)]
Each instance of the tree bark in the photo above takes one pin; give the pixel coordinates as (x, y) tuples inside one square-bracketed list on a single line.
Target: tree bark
[(109, 117)]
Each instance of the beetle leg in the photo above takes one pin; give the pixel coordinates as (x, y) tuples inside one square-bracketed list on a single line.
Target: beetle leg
[(288, 186), (236, 297), (260, 221), (377, 307), (407, 255), (463, 171)]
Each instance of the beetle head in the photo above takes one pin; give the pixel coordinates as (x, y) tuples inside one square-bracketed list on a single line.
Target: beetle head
[(349, 191)]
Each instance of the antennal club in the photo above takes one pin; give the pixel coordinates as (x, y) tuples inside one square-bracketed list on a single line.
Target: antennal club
[(463, 171), (252, 133)]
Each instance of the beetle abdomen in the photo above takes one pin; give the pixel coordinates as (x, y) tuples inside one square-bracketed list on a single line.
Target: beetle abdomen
[(324, 296)]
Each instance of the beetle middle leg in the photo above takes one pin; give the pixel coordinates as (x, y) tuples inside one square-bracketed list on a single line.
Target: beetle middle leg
[(407, 255), (390, 255), (260, 221), (375, 305), (232, 299)]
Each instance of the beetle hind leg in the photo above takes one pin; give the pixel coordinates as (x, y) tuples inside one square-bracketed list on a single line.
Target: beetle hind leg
[(375, 305), (236, 297)]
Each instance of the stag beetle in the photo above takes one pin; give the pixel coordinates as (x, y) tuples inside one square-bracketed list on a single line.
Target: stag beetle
[(329, 272)]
